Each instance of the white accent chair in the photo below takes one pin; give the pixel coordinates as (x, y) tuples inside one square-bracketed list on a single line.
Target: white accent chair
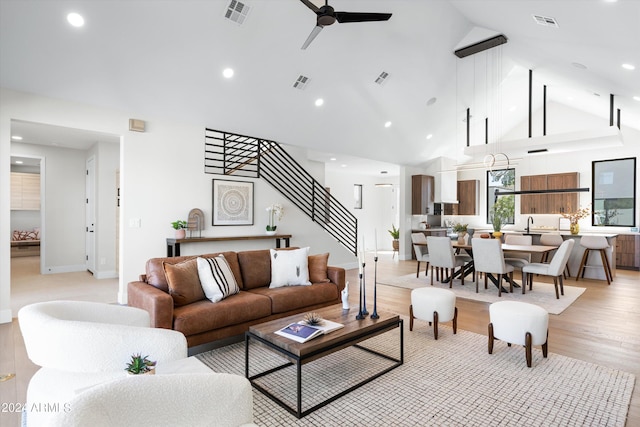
[(518, 259), (554, 269), (489, 259), (519, 323), (421, 250), (434, 305), (595, 243), (550, 239), (80, 344), (441, 255), (215, 399)]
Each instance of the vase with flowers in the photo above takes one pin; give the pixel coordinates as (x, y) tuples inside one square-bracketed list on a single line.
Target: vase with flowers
[(574, 217), (275, 213)]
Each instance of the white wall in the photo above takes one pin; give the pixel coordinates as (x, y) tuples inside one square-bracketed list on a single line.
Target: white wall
[(162, 179)]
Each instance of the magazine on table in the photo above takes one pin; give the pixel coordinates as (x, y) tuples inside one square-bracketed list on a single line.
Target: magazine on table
[(301, 332)]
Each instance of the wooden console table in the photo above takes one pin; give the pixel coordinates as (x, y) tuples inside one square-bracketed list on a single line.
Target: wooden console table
[(173, 245)]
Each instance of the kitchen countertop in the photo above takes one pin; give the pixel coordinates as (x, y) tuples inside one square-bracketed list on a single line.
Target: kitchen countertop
[(565, 233)]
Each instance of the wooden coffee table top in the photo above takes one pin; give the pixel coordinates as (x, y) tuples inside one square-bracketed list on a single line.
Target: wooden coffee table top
[(353, 331)]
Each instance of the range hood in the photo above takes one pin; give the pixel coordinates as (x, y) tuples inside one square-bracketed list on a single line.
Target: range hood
[(446, 181)]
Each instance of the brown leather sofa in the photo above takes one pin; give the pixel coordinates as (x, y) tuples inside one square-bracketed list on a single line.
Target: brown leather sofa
[(201, 321)]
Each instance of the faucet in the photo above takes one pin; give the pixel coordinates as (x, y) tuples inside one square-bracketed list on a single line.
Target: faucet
[(529, 219)]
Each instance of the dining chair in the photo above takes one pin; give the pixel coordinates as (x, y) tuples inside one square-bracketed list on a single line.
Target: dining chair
[(441, 255), (554, 269), (421, 250), (518, 259), (595, 243), (488, 258), (550, 239)]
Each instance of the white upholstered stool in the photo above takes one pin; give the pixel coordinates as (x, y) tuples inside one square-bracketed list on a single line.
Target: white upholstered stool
[(519, 323), (595, 243), (433, 305)]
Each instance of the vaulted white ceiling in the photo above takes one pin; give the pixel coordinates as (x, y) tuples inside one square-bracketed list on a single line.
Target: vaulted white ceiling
[(164, 59)]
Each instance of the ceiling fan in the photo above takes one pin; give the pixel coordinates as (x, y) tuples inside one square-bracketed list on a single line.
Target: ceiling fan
[(327, 16)]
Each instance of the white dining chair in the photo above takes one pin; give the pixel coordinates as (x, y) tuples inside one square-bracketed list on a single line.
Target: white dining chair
[(421, 250), (554, 269), (518, 259), (441, 255), (488, 258), (550, 239)]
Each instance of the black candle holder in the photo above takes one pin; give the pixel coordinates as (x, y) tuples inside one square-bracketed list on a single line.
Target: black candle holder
[(364, 292), (374, 315), (360, 314)]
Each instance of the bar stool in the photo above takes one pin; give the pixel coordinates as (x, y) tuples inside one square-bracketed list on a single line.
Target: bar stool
[(595, 243), (553, 240)]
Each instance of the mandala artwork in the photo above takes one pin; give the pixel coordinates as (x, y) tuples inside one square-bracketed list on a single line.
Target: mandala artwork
[(233, 202)]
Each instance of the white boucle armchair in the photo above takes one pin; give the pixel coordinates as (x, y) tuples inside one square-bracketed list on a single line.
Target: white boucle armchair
[(80, 344)]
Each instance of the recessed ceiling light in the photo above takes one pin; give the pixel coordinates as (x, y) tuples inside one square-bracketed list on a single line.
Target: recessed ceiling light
[(429, 136), (432, 101), (579, 65), (610, 1), (19, 162), (319, 102), (333, 159), (387, 124), (16, 137), (384, 172), (228, 73), (628, 67), (343, 166), (75, 19), (637, 98)]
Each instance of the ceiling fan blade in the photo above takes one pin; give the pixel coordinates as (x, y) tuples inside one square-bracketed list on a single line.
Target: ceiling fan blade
[(345, 17), (316, 30), (311, 5)]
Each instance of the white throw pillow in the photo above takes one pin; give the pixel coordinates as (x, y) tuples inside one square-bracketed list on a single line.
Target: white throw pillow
[(216, 278), (289, 268)]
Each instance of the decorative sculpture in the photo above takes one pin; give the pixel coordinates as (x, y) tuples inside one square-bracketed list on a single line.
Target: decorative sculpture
[(195, 222)]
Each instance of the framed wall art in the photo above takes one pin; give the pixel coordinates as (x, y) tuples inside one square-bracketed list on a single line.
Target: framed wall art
[(232, 202)]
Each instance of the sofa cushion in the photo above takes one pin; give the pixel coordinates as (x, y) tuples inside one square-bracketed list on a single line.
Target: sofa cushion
[(204, 315), (183, 282), (216, 278), (318, 268), (296, 297), (256, 268), (289, 268), (155, 270)]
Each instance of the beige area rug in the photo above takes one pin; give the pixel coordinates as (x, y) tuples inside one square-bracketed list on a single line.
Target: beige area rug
[(449, 382), (543, 294)]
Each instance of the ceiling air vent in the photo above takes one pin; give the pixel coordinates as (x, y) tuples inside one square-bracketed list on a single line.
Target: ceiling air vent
[(301, 82), (237, 12), (382, 77), (546, 21)]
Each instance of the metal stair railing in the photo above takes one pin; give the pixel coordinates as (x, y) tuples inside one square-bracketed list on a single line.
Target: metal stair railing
[(239, 155)]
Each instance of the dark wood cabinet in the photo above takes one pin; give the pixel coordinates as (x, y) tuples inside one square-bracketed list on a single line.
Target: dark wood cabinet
[(467, 197), (422, 194), (628, 252), (552, 203)]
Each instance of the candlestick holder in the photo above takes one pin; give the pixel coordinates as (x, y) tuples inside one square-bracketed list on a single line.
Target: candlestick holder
[(374, 315), (360, 314), (364, 291)]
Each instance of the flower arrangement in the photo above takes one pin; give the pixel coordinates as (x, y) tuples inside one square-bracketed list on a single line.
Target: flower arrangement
[(460, 228), (574, 217), (275, 212)]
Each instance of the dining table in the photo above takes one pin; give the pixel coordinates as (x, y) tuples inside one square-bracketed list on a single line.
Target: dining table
[(532, 249)]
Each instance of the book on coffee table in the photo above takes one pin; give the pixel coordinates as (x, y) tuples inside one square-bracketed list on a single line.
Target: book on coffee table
[(301, 332)]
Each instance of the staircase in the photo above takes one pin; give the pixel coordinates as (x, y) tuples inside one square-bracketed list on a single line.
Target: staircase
[(245, 156)]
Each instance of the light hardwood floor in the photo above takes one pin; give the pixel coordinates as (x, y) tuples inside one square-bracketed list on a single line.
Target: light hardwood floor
[(601, 327)]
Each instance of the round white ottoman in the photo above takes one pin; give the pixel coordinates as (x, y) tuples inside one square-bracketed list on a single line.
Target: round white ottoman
[(519, 323), (433, 305)]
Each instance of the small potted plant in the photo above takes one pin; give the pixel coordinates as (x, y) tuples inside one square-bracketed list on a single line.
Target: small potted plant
[(395, 235), (180, 227), (275, 212), (461, 230), (140, 365)]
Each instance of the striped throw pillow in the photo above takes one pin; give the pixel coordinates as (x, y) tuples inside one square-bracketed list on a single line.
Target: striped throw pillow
[(216, 278)]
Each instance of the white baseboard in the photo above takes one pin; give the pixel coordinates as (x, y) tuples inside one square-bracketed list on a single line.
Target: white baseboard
[(5, 316), (64, 269), (106, 274)]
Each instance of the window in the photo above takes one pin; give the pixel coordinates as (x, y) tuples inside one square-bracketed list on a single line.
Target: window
[(501, 180), (614, 192)]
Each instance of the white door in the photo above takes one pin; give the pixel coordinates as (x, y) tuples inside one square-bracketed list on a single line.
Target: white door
[(90, 240)]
